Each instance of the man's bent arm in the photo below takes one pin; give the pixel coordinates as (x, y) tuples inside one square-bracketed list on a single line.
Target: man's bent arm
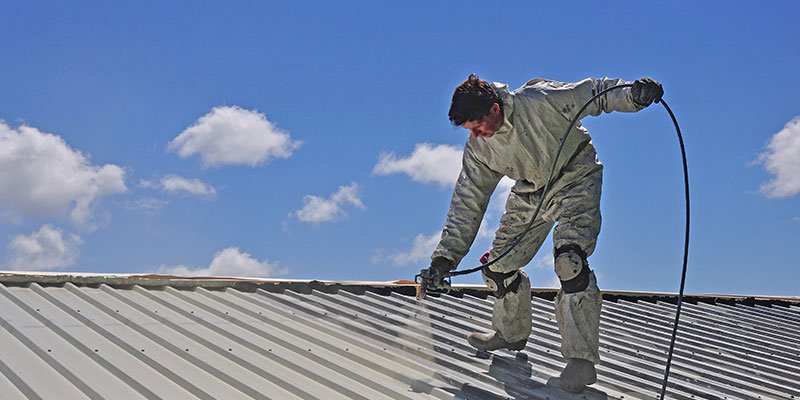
[(474, 187), (571, 96)]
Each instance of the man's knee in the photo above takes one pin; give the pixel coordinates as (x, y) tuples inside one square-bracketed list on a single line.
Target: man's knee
[(572, 268), (501, 282)]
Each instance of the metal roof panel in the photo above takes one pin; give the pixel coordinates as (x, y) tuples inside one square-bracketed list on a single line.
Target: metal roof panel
[(116, 338)]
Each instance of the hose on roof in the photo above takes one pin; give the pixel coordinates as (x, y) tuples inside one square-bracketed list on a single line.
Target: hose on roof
[(519, 237)]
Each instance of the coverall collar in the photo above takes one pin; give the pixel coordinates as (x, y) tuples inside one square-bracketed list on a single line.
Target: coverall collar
[(508, 107)]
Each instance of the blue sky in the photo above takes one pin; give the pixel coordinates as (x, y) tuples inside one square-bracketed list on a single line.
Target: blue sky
[(311, 140)]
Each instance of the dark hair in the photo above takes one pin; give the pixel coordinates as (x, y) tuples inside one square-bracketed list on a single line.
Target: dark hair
[(472, 100)]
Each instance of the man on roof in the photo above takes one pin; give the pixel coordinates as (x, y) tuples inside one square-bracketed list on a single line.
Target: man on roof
[(517, 134)]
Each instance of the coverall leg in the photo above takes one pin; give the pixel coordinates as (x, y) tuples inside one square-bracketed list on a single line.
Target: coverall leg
[(578, 314), (511, 316), (574, 209)]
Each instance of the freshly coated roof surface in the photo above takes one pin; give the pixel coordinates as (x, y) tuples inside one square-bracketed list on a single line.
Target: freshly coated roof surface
[(150, 337)]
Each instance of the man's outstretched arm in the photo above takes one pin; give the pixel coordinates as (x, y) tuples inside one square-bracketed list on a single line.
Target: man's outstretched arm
[(474, 187), (569, 97)]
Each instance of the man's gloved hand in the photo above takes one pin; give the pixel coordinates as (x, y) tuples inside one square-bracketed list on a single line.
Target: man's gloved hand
[(433, 276), (645, 91)]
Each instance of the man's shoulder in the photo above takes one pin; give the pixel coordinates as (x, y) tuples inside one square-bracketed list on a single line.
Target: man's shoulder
[(536, 90), (544, 84)]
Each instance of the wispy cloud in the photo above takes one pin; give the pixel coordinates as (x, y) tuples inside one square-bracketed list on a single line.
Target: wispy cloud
[(428, 163), (317, 209), (545, 265), (147, 205), (544, 262), (175, 184), (423, 245), (230, 135), (440, 165), (420, 252), (42, 176), (228, 262), (46, 249), (497, 204), (781, 158)]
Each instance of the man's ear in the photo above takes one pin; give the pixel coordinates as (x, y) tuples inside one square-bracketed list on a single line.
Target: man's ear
[(495, 109)]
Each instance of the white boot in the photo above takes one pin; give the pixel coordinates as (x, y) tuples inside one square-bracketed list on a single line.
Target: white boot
[(493, 341)]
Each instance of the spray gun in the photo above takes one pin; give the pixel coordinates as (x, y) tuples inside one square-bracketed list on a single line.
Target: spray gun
[(432, 280)]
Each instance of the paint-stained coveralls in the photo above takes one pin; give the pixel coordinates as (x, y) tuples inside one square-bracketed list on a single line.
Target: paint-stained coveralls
[(523, 148)]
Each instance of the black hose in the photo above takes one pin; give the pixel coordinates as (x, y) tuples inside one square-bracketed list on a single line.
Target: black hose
[(685, 247), (519, 237)]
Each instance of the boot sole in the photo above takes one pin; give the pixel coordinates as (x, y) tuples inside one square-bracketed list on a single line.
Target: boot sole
[(516, 346)]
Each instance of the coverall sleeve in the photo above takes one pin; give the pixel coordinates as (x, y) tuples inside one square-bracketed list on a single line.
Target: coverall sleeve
[(569, 97), (474, 187)]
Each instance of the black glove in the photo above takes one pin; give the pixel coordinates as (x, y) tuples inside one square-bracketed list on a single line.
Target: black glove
[(645, 91), (432, 278)]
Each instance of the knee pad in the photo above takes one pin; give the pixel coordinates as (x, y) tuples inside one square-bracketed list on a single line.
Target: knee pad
[(500, 282), (572, 268)]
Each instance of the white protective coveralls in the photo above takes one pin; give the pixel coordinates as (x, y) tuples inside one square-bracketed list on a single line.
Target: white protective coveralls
[(523, 148)]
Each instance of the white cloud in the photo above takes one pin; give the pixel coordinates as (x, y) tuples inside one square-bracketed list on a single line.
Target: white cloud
[(423, 245), (147, 205), (175, 184), (497, 204), (228, 262), (782, 159), (317, 209), (41, 176), (502, 192), (437, 164), (46, 249), (545, 265), (420, 252), (544, 262), (233, 136)]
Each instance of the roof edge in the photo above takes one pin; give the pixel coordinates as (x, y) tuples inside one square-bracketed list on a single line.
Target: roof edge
[(20, 278)]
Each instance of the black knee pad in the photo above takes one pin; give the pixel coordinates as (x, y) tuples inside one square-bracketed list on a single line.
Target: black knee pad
[(497, 279), (580, 281)]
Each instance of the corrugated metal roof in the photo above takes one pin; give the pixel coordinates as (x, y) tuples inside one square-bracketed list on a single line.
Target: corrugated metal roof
[(112, 339)]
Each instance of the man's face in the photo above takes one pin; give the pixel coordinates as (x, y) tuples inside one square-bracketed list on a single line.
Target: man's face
[(488, 125)]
